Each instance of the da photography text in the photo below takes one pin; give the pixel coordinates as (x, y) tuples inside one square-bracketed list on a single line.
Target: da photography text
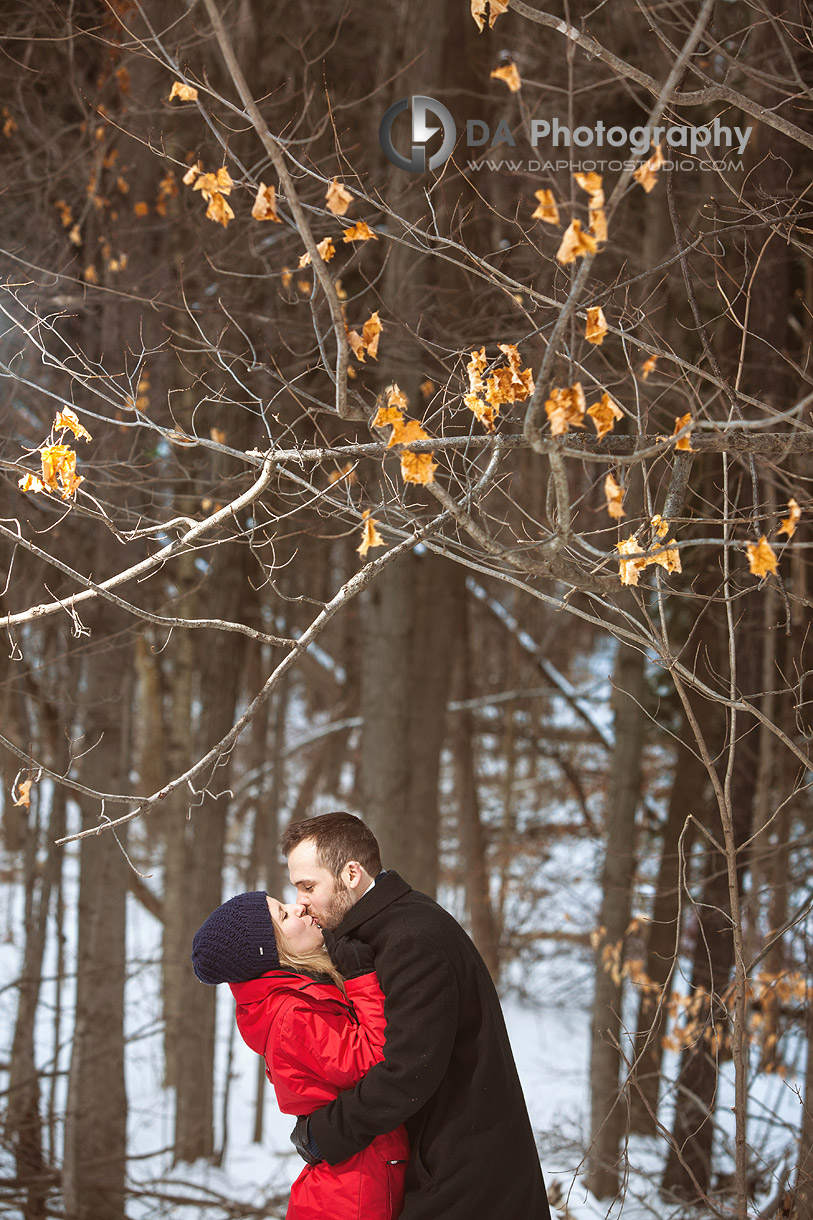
[(430, 118)]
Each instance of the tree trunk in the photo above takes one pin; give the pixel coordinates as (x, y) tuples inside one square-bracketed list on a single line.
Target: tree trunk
[(608, 1113), (470, 828), (220, 668), (96, 1110), (686, 796)]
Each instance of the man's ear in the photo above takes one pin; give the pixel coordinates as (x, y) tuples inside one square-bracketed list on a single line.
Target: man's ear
[(353, 874)]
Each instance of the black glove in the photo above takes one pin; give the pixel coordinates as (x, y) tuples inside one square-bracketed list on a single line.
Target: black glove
[(352, 958), (304, 1142)]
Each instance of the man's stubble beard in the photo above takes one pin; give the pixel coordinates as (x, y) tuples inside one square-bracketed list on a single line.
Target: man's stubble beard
[(339, 903)]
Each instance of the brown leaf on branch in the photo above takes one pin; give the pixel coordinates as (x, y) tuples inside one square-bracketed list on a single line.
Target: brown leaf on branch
[(648, 367), (790, 522), (30, 482), (566, 408), (645, 175), (370, 536), (604, 413), (575, 244), (496, 9), (338, 198), (614, 496), (680, 423), (592, 184), (370, 332), (761, 558), (326, 252), (359, 232), (546, 209), (23, 794), (510, 74), (630, 566), (66, 418), (415, 467), (669, 559), (184, 93), (596, 326), (219, 210), (59, 470), (366, 343), (265, 204)]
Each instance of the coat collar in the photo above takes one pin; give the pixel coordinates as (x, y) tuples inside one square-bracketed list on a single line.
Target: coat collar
[(386, 890)]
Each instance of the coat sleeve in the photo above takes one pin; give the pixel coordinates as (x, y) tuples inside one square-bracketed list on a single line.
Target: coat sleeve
[(312, 1053), (421, 1006), (368, 1000)]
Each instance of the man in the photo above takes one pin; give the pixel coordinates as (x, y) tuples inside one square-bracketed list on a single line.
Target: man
[(448, 1071)]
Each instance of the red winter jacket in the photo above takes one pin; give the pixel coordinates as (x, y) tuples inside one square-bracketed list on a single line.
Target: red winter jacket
[(317, 1042)]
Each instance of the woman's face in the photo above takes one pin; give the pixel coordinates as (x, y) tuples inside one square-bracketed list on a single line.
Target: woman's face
[(301, 931)]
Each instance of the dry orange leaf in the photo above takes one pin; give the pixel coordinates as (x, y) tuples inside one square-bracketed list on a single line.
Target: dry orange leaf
[(598, 224), (648, 367), (185, 93), (669, 559), (415, 467), (596, 326), (680, 423), (218, 435), (790, 522), (219, 210), (66, 418), (418, 468), (370, 332), (345, 475), (645, 174), (90, 275), (427, 389), (338, 198), (475, 369), (326, 252), (485, 413), (265, 204), (614, 495), (761, 557), (575, 243), (370, 536), (495, 10), (23, 796), (30, 482), (592, 185), (192, 173), (359, 232), (631, 567), (604, 413), (546, 209), (509, 74), (59, 470), (566, 408), (141, 209)]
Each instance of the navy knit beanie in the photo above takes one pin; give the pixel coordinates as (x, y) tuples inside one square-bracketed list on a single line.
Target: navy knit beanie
[(236, 943)]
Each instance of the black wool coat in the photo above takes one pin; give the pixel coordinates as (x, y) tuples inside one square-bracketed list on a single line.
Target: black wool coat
[(448, 1070)]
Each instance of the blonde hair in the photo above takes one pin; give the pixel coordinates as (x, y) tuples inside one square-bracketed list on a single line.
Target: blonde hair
[(316, 961)]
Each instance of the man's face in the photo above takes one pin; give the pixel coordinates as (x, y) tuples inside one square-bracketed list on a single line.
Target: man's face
[(323, 895)]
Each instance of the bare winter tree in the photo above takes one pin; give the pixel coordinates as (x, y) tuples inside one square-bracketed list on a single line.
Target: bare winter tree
[(270, 399)]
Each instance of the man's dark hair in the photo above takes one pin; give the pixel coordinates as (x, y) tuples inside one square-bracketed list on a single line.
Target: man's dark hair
[(339, 837)]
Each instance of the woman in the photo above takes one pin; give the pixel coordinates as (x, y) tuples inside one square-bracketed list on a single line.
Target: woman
[(319, 1034)]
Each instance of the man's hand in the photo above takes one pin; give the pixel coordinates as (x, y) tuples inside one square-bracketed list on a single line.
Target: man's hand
[(304, 1142), (352, 958)]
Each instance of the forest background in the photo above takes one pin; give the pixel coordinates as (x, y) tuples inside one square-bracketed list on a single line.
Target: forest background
[(331, 484)]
